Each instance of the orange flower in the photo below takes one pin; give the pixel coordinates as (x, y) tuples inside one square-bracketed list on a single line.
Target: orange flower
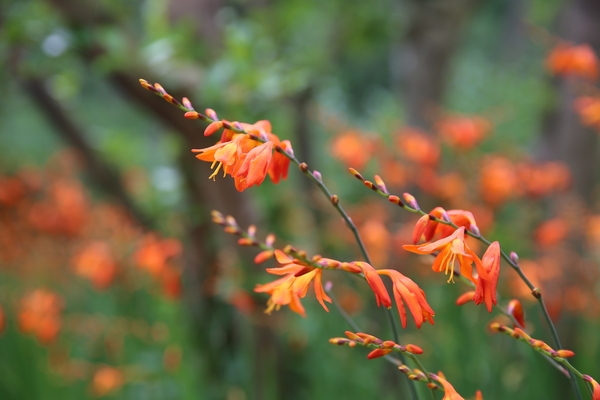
[(407, 291), (375, 282), (294, 285), (568, 59), (485, 289), (154, 254), (588, 109), (418, 146), (96, 263), (451, 249), (353, 149), (281, 295), (39, 314), (106, 380), (463, 131), (449, 392), (254, 167), (431, 228), (248, 160), (595, 387)]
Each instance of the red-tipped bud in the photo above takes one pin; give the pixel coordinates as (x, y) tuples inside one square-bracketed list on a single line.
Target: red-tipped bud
[(356, 174), (518, 332), (352, 336), (335, 200), (420, 228), (495, 327), (378, 353), (212, 128), (349, 267), (410, 200), (565, 353), (381, 184), (478, 395), (388, 344), (465, 298), (263, 256), (413, 348), (395, 200), (246, 242), (515, 308), (303, 167), (145, 84), (192, 115)]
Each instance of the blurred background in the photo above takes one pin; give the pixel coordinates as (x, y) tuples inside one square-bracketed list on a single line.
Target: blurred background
[(114, 283)]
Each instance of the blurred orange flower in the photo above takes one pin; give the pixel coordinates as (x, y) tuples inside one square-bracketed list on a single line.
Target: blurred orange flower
[(497, 180), (577, 60), (154, 254), (418, 146), (588, 109), (96, 263), (107, 380), (552, 232), (352, 149), (39, 314), (464, 132)]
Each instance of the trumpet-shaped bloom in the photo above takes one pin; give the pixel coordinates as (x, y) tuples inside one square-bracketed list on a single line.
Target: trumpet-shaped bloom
[(376, 283), (296, 285), (595, 387), (281, 295), (449, 392), (407, 291), (254, 167), (485, 288), (451, 249), (430, 228)]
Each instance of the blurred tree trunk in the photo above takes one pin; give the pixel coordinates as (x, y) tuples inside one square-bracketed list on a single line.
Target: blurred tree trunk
[(425, 56), (563, 137)]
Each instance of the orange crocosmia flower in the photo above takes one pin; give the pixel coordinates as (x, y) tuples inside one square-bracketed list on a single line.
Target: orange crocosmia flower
[(376, 283), (588, 109), (463, 131), (485, 288), (106, 380), (498, 180), (282, 294), (451, 249), (352, 149), (418, 146), (430, 228), (578, 60), (407, 291), (96, 263), (154, 254), (449, 392), (279, 166), (302, 277), (595, 387), (39, 314), (551, 232), (225, 155), (255, 166)]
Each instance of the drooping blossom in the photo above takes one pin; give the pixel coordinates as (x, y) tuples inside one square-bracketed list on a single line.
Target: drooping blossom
[(375, 283), (408, 292), (595, 387), (485, 287)]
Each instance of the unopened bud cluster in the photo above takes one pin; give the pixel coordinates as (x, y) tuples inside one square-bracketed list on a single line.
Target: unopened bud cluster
[(538, 345), (381, 347)]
